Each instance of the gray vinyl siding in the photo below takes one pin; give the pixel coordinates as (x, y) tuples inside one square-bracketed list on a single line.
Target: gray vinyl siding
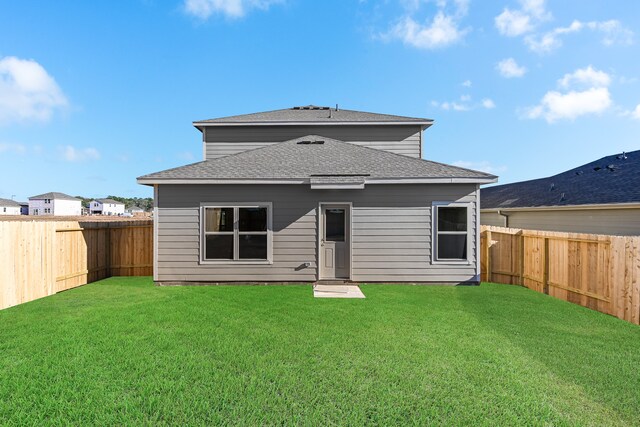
[(391, 232), (224, 141), (620, 222)]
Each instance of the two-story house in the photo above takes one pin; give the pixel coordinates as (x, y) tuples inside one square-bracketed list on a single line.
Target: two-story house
[(106, 207), (53, 203), (310, 194)]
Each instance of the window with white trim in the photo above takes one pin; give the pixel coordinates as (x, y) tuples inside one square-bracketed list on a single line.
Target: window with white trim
[(236, 233), (452, 230)]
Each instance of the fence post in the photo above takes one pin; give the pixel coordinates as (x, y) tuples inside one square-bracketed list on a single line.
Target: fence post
[(488, 255), (545, 282), (521, 260)]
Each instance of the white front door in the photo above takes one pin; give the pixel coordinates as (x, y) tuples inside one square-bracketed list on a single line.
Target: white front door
[(335, 236)]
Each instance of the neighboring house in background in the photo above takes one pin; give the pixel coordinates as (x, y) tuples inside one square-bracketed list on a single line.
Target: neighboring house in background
[(601, 197), (59, 204), (24, 208), (106, 207), (136, 211), (9, 207), (312, 194)]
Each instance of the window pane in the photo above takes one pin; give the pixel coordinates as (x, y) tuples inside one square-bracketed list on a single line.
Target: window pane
[(452, 246), (334, 225), (452, 219), (252, 219), (219, 246), (218, 219), (252, 247)]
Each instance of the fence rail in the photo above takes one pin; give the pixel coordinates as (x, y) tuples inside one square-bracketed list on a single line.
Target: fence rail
[(40, 258), (596, 271)]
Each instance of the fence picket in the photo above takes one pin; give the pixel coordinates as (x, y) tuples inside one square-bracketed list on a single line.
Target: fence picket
[(40, 258), (596, 271)]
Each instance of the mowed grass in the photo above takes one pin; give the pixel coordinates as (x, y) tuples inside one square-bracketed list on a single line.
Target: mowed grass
[(123, 351)]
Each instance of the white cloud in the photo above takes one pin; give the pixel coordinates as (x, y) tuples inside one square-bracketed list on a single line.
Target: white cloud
[(27, 91), (556, 106), (587, 77), (483, 166), (513, 23), (488, 103), (203, 9), (73, 154), (465, 104), (441, 31), (589, 94), (551, 40), (517, 22), (635, 114), (466, 83), (451, 106), (509, 68), (613, 32)]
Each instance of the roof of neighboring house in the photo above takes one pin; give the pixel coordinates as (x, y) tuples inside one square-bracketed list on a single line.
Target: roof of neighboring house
[(109, 201), (9, 203), (314, 156), (312, 114), (53, 195), (609, 180)]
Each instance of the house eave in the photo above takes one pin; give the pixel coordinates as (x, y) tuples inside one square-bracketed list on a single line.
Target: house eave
[(441, 180), (594, 206), (423, 123)]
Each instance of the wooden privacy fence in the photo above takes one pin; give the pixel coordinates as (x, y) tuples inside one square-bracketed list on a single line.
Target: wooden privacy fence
[(40, 258), (596, 271)]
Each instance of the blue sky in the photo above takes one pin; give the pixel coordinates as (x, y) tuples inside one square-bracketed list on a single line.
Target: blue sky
[(93, 94)]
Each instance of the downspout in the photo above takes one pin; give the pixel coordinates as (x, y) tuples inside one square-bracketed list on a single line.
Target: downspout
[(506, 218)]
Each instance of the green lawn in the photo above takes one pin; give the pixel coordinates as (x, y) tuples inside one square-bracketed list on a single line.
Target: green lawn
[(122, 351)]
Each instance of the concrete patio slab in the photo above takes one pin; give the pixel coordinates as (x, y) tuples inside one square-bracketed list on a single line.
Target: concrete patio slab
[(337, 291)]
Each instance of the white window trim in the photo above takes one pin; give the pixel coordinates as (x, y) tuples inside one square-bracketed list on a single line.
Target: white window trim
[(236, 205), (434, 233)]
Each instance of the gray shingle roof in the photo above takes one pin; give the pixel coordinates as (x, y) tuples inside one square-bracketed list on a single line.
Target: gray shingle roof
[(54, 196), (611, 179), (313, 114), (293, 160), (9, 203)]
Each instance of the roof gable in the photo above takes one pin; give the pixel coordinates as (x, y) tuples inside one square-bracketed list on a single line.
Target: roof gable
[(609, 180), (315, 156), (312, 114)]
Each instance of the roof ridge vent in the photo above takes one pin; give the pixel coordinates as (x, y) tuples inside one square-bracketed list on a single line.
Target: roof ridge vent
[(308, 142), (309, 107)]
